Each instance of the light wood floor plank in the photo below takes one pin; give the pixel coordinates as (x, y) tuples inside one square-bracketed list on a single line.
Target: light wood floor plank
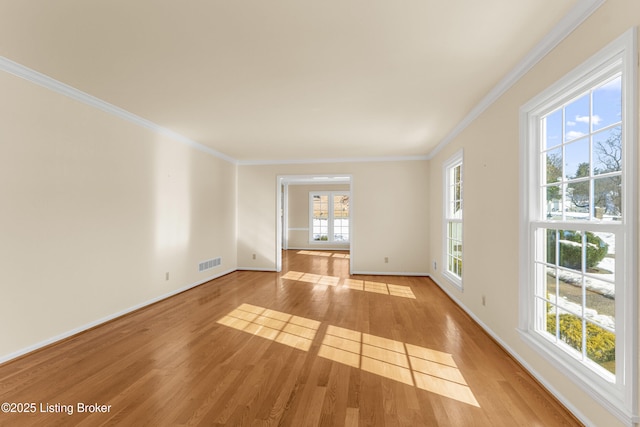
[(388, 360)]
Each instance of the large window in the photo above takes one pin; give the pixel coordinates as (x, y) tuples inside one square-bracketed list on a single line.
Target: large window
[(453, 219), (329, 216), (579, 303)]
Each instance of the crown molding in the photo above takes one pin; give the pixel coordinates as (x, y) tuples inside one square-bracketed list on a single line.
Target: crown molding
[(567, 24), (331, 160), (580, 12), (47, 82)]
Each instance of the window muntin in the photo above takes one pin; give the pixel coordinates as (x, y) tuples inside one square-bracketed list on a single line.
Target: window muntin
[(453, 243), (329, 217)]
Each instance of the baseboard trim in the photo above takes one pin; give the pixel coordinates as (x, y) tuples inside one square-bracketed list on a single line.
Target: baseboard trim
[(317, 248), (256, 269), (535, 374), (389, 273), (90, 325)]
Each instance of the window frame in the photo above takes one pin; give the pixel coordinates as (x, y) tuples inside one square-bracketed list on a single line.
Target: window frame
[(330, 219), (448, 218), (621, 396)]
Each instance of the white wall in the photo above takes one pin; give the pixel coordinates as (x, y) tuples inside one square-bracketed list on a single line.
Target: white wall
[(95, 210), (389, 208), (491, 204)]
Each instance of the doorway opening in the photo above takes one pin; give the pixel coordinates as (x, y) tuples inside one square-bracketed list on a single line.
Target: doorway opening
[(335, 231)]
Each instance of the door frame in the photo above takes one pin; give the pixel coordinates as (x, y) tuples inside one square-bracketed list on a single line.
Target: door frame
[(282, 207)]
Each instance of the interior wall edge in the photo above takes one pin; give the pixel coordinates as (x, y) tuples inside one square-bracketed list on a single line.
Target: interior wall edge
[(50, 83), (563, 29)]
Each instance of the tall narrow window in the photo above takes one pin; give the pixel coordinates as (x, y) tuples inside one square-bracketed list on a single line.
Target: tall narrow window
[(579, 305), (453, 177), (329, 216)]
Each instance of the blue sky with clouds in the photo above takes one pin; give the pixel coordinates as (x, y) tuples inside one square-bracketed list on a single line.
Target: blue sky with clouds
[(579, 122)]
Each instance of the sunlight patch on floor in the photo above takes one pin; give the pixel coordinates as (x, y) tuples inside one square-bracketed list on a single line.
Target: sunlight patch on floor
[(325, 254), (342, 256), (427, 369), (284, 328), (358, 285), (293, 275)]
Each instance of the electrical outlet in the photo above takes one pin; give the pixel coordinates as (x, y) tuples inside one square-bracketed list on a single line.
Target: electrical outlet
[(253, 256), (435, 265), (484, 300), (386, 260), (166, 276)]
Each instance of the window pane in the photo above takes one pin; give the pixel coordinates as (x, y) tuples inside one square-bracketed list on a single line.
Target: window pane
[(607, 151), (341, 230), (455, 192), (553, 206), (552, 133), (456, 209), (577, 118), (550, 241), (546, 318), (553, 164), (340, 206), (320, 206), (570, 249), (607, 104), (597, 250), (570, 291), (546, 286), (607, 195), (600, 298), (576, 160), (570, 330), (578, 199), (320, 229), (601, 254), (601, 347), (551, 319)]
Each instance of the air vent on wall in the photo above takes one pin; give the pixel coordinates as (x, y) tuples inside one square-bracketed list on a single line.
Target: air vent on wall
[(209, 264)]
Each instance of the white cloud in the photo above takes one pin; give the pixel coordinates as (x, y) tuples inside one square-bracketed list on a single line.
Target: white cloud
[(612, 85), (570, 123), (573, 134), (585, 119)]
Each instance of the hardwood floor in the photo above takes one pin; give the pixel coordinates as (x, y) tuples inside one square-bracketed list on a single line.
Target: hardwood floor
[(304, 347)]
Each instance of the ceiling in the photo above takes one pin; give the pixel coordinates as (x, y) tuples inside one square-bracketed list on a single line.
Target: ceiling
[(284, 80)]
